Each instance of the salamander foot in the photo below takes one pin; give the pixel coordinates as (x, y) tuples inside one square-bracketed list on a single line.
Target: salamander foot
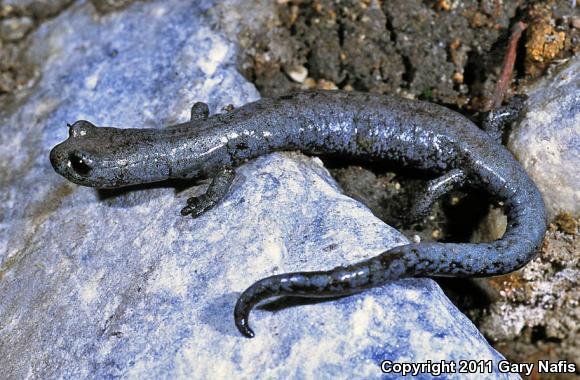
[(423, 202), (494, 121), (217, 189)]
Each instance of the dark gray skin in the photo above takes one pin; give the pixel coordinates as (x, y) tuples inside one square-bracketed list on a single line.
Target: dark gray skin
[(411, 133)]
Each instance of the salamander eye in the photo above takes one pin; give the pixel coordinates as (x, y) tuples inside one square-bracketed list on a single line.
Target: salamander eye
[(80, 128), (80, 163)]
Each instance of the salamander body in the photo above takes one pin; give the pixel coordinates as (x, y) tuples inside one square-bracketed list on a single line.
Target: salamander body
[(412, 134)]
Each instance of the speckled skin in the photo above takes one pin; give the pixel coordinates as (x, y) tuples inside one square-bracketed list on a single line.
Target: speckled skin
[(411, 133)]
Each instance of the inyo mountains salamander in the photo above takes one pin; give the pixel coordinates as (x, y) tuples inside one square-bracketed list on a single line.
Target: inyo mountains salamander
[(412, 134)]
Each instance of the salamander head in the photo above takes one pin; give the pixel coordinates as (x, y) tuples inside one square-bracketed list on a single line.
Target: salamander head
[(107, 157)]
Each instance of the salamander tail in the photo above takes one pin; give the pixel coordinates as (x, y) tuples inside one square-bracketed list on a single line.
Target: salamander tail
[(337, 282)]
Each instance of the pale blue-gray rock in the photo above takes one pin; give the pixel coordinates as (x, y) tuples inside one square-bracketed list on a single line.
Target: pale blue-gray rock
[(107, 284), (547, 141)]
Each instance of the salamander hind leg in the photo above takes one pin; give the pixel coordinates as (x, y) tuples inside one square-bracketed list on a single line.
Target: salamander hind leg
[(494, 121), (218, 188), (425, 198)]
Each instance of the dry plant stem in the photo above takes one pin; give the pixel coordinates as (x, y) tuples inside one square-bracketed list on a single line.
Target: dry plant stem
[(508, 65)]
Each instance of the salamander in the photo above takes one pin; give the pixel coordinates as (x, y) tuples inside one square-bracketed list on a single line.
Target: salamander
[(409, 133)]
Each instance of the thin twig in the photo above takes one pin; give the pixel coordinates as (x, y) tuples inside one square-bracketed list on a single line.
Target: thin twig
[(508, 65)]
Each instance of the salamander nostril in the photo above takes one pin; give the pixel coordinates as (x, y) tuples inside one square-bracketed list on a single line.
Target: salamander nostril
[(80, 164)]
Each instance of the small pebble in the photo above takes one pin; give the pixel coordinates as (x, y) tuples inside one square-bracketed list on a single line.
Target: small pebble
[(298, 73), (326, 85), (14, 29), (110, 5), (309, 83), (36, 9)]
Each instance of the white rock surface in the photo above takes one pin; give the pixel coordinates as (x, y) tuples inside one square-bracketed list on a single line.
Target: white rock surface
[(547, 141)]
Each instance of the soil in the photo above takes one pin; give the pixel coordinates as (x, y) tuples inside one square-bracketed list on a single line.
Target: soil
[(535, 313)]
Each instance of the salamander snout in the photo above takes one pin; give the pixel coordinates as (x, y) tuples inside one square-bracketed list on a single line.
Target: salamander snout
[(75, 165), (70, 159)]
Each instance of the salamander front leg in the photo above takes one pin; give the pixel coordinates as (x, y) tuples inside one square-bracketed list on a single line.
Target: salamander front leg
[(217, 189), (435, 189)]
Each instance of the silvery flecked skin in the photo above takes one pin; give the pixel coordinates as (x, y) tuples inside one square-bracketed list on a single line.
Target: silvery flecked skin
[(410, 133)]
